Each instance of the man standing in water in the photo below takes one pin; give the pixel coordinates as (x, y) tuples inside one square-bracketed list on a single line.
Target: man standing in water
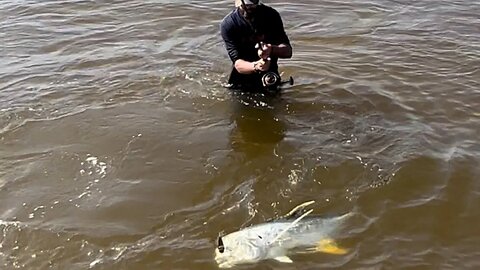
[(254, 38)]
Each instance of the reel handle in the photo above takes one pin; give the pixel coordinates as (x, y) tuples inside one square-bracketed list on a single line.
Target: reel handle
[(289, 81)]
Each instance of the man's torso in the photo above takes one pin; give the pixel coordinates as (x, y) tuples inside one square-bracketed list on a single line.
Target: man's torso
[(266, 27)]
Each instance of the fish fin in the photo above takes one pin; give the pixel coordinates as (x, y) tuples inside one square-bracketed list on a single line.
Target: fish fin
[(298, 210), (307, 251), (283, 259), (291, 225), (329, 246)]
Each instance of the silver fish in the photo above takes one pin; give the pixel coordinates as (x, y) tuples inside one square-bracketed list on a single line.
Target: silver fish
[(278, 238)]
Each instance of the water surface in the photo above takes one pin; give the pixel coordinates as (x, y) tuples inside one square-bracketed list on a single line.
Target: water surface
[(120, 148)]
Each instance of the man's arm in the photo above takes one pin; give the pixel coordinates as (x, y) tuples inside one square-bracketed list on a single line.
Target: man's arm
[(242, 66), (246, 67), (283, 50)]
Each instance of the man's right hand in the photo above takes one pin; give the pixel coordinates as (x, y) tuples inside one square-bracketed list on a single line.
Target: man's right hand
[(263, 50), (262, 65)]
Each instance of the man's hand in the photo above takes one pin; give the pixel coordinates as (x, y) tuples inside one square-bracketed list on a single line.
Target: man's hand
[(264, 50), (262, 65)]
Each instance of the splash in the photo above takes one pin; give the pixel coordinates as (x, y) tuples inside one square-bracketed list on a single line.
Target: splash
[(94, 167)]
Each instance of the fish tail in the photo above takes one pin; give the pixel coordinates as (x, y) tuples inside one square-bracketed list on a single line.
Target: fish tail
[(330, 246)]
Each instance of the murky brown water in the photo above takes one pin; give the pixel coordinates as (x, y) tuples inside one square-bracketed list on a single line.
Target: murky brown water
[(120, 149)]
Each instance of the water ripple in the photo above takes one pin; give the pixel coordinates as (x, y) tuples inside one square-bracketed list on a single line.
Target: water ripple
[(114, 114)]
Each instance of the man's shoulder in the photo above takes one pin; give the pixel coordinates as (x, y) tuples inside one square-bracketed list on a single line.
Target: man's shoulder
[(268, 10), (229, 19)]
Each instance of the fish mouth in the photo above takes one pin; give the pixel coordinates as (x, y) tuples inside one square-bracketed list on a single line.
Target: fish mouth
[(224, 263)]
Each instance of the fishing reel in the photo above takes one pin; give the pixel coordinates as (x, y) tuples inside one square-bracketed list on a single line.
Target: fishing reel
[(272, 81)]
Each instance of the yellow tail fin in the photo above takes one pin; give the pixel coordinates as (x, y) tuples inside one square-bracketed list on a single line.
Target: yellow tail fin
[(329, 246)]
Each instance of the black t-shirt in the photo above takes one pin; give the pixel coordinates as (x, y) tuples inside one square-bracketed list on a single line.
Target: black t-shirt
[(240, 37)]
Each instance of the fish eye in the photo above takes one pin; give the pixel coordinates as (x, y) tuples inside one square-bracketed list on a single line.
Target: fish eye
[(221, 247)]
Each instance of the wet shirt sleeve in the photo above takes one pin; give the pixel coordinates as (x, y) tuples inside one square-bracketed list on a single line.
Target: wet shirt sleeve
[(279, 36), (228, 36)]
